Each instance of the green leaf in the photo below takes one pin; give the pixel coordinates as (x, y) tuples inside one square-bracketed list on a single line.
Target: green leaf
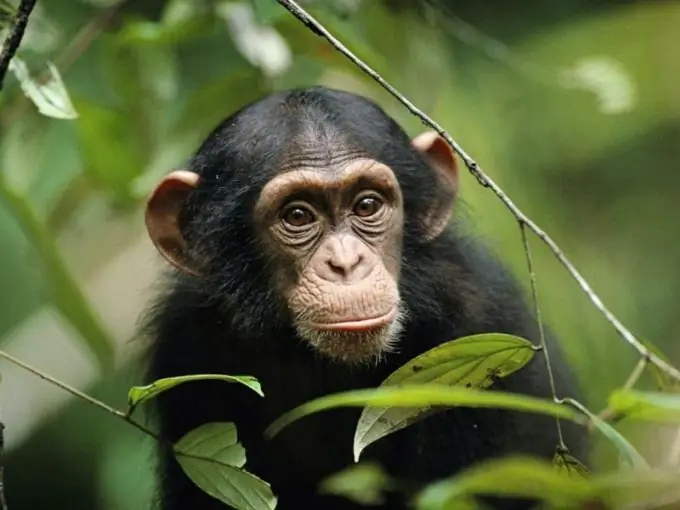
[(651, 406), (48, 95), (565, 463), (473, 361), (140, 394), (218, 441), (363, 483), (514, 476), (418, 395), (627, 453), (211, 457)]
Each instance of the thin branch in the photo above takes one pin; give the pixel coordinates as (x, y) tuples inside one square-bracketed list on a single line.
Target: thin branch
[(484, 180), (84, 396), (16, 33), (635, 374), (539, 319), (3, 500)]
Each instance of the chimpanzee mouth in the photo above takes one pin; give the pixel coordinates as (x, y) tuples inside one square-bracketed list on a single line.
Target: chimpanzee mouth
[(359, 324), (356, 342)]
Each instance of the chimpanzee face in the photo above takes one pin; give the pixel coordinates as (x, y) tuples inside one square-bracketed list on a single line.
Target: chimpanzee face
[(330, 231), (333, 236)]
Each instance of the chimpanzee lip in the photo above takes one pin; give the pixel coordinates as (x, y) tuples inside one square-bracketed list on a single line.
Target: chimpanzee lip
[(359, 324)]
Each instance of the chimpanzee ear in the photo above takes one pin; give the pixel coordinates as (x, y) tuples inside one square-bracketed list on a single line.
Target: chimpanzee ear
[(162, 218), (443, 161)]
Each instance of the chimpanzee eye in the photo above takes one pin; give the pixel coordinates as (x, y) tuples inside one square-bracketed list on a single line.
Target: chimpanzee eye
[(367, 206), (298, 216)]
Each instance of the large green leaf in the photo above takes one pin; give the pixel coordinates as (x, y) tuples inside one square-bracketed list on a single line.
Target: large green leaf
[(472, 361), (212, 458), (651, 406), (420, 395), (139, 394)]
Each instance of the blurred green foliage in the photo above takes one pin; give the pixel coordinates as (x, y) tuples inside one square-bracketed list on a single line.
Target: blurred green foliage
[(576, 116)]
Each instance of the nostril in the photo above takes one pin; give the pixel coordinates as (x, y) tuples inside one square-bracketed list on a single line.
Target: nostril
[(337, 268), (346, 265)]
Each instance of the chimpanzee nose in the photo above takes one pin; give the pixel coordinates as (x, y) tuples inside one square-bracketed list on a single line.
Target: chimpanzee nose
[(345, 260)]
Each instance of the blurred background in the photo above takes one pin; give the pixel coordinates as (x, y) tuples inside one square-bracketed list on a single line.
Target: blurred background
[(573, 107)]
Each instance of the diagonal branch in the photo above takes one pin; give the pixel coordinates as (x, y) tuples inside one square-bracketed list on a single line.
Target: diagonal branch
[(16, 33), (483, 179)]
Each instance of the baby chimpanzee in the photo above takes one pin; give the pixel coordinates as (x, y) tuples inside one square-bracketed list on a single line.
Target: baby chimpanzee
[(314, 248)]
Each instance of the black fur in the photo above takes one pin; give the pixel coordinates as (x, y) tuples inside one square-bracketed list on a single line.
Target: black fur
[(233, 322)]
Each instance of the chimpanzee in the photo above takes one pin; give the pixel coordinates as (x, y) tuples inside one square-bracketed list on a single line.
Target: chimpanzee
[(315, 247)]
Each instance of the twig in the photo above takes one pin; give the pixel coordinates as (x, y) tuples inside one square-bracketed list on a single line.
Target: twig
[(84, 396), (3, 500), (541, 331), (610, 415), (16, 33), (316, 27)]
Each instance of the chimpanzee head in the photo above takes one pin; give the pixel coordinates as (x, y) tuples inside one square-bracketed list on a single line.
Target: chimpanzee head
[(297, 211)]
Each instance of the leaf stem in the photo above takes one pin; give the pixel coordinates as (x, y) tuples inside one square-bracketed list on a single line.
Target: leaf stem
[(541, 330), (77, 393)]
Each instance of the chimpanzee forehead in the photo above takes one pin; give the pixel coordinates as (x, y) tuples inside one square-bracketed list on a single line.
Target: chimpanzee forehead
[(322, 155)]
